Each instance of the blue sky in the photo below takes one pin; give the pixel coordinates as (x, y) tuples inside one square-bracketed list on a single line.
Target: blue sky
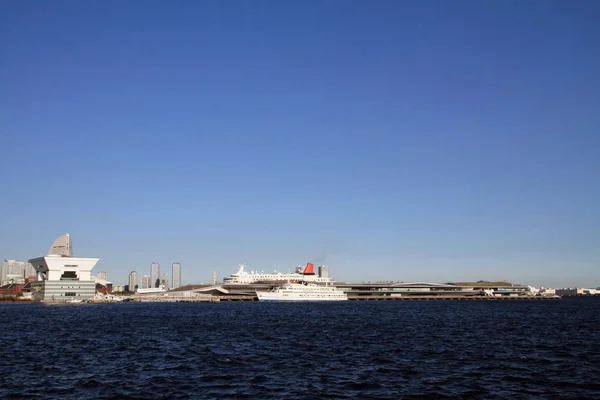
[(391, 140)]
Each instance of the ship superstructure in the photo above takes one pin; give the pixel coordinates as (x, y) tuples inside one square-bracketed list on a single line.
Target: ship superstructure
[(305, 274)]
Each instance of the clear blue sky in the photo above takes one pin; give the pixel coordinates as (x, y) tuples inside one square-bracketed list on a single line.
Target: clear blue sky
[(396, 140)]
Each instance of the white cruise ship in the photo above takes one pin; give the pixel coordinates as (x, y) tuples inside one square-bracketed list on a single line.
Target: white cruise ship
[(306, 274), (303, 292)]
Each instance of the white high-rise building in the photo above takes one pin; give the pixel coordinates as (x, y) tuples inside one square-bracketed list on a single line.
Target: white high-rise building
[(133, 281), (154, 274), (103, 275), (176, 275), (15, 271), (146, 282), (323, 271)]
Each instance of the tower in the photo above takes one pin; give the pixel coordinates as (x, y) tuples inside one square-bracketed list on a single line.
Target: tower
[(323, 271), (133, 281), (176, 275), (154, 275)]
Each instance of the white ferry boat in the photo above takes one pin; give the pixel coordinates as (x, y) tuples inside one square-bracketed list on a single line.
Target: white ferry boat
[(303, 292), (156, 290), (306, 274)]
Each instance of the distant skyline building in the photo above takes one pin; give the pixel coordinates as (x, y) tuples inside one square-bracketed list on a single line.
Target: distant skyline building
[(164, 280), (176, 275), (118, 288), (103, 275), (133, 281), (15, 271), (62, 246), (323, 271), (146, 282), (154, 274)]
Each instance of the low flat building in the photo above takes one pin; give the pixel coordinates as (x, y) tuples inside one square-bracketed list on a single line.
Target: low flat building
[(576, 292), (569, 291)]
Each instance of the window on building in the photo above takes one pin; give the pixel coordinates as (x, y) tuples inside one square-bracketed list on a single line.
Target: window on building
[(69, 276)]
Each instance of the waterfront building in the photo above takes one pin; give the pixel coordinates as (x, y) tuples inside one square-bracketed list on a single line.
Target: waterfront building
[(62, 277), (146, 282), (104, 287), (154, 274), (118, 288), (164, 280), (176, 275), (103, 275), (133, 281), (575, 292), (12, 271)]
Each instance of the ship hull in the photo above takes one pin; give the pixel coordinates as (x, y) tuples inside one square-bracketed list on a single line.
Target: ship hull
[(302, 292), (271, 299)]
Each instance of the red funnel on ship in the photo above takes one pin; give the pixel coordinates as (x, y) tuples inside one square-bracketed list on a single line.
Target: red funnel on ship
[(309, 269)]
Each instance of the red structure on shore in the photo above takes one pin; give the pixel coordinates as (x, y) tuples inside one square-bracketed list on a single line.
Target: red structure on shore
[(11, 289)]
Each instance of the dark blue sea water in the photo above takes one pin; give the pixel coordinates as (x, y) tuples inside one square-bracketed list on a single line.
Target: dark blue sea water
[(379, 350)]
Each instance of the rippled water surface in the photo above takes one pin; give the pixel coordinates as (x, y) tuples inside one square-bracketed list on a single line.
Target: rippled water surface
[(385, 350)]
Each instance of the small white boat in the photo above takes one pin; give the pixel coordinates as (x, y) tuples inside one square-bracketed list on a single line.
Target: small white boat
[(75, 301), (303, 292)]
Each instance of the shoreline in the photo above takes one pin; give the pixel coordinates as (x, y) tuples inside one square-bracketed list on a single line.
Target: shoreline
[(227, 299)]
